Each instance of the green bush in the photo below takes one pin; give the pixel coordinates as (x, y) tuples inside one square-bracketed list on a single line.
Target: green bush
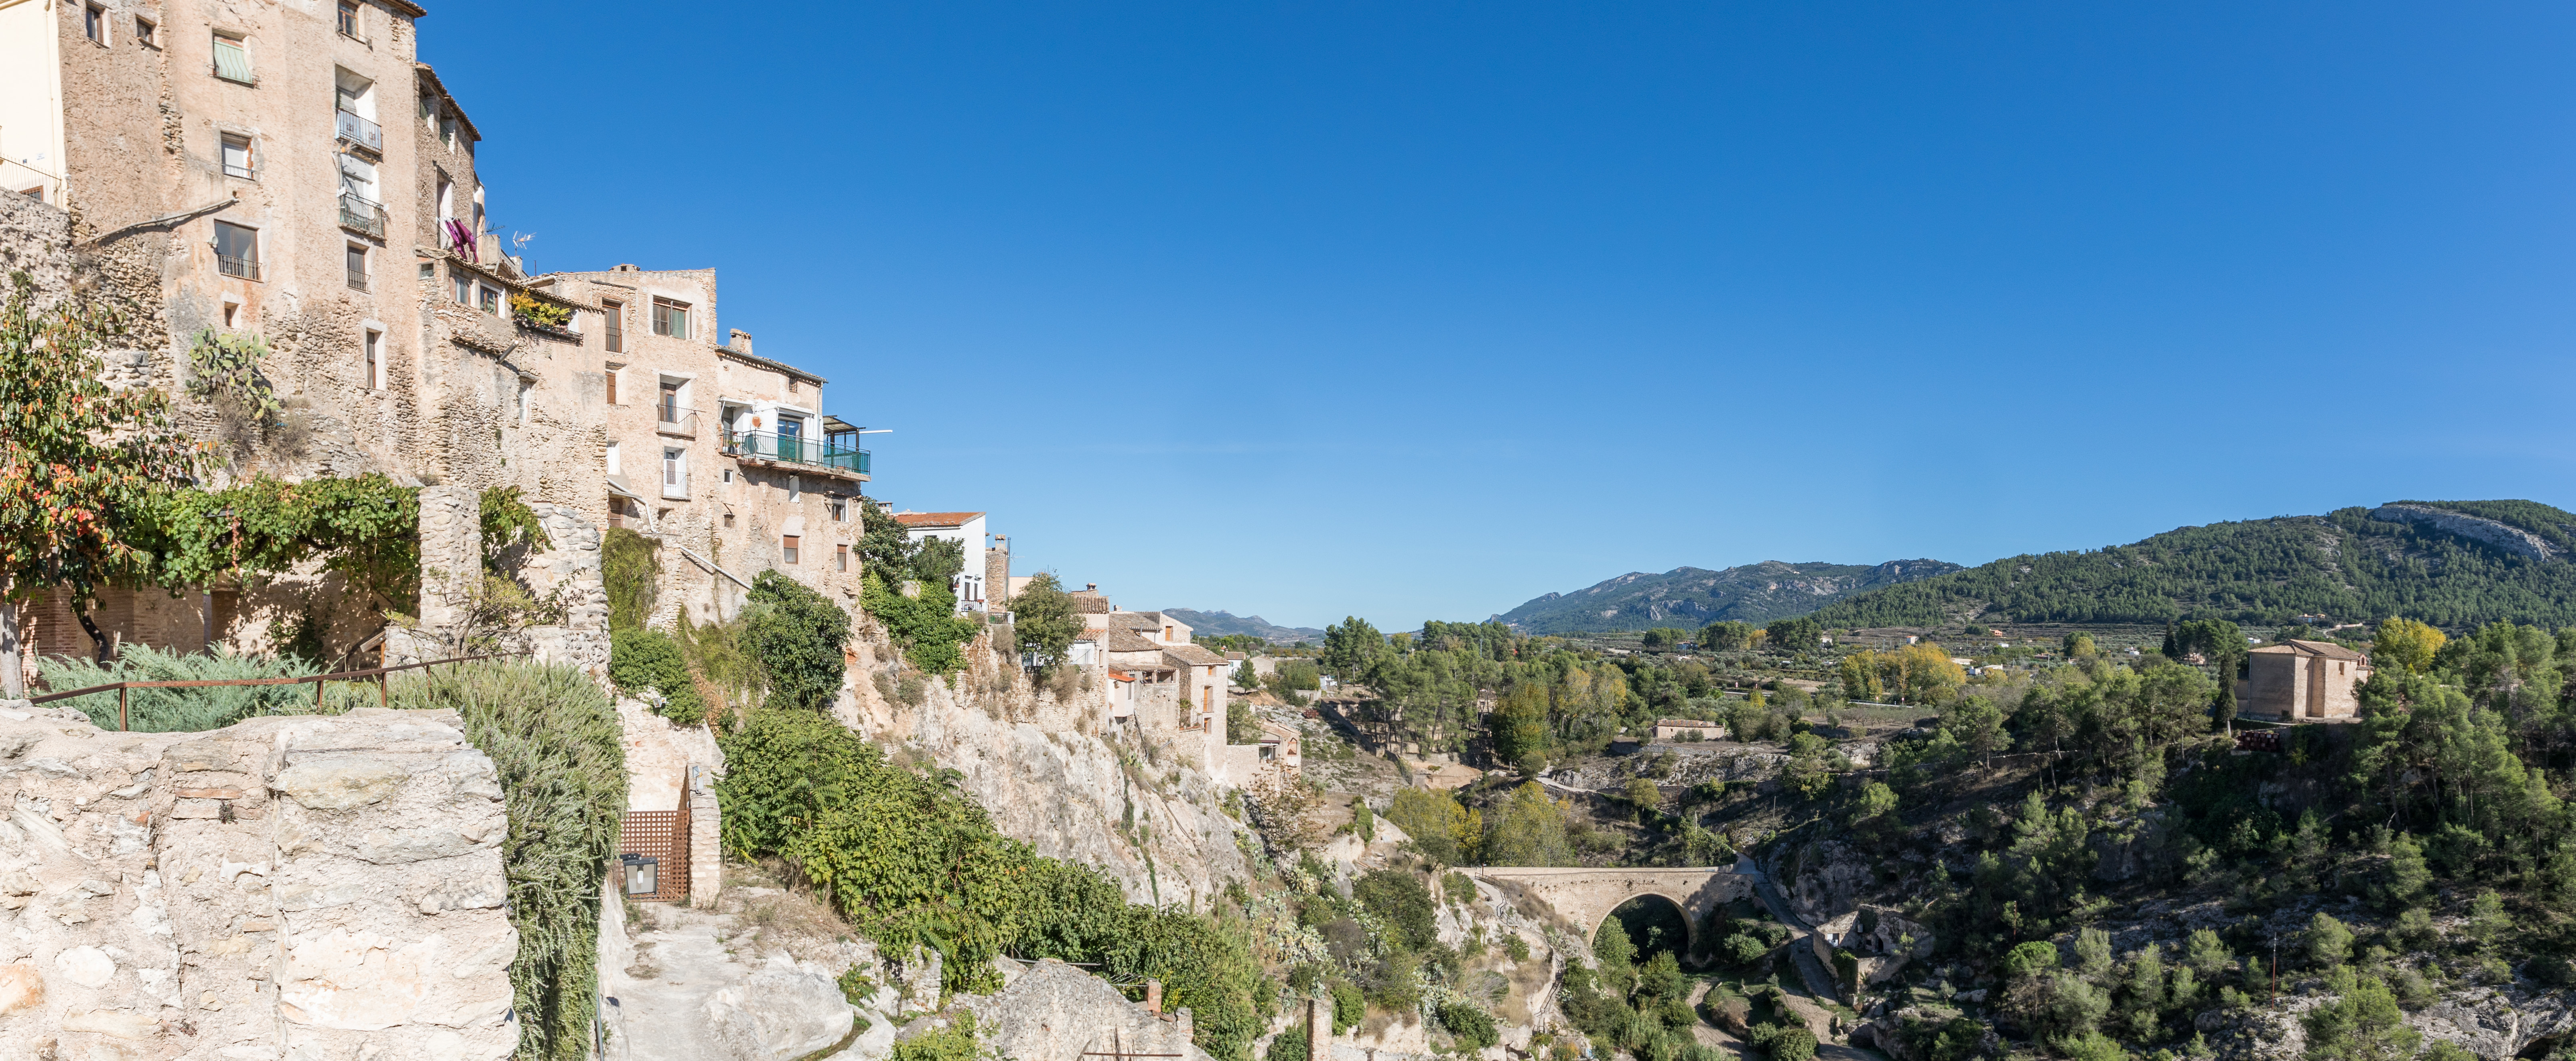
[(925, 627), (956, 1042), (628, 570), (1350, 1006), (560, 752), (1402, 901), (186, 710), (1290, 1045), (1472, 1027), (912, 861), (798, 638), (641, 660)]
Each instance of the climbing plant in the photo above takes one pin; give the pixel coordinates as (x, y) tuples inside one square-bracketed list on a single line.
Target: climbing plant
[(926, 627), (628, 568), (365, 528), (507, 521), (80, 461), (797, 637)]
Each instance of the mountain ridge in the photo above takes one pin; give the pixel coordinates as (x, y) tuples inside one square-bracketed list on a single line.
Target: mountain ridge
[(2454, 564), (1221, 623), (1695, 596)]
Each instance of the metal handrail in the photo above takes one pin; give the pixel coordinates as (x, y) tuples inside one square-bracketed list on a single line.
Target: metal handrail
[(675, 419), (361, 213), (357, 130), (245, 268), (795, 449), (383, 694), (357, 280)]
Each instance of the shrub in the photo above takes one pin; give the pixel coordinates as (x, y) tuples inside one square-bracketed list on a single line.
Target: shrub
[(798, 638), (1473, 1028), (641, 660), (562, 761), (925, 627), (628, 569), (956, 1042), (1290, 1045), (1349, 1006), (184, 710), (1403, 901)]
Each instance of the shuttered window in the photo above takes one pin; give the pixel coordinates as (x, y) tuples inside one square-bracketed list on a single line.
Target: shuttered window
[(232, 60)]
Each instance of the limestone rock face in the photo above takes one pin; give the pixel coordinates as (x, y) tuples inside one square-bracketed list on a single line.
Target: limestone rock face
[(1061, 789), (778, 1013), (1826, 879), (1056, 1010), (289, 886)]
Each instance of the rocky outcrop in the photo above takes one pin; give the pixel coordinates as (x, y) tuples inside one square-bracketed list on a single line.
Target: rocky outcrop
[(285, 887), (779, 1013), (2503, 536), (1138, 812), (1051, 1009), (1826, 879)]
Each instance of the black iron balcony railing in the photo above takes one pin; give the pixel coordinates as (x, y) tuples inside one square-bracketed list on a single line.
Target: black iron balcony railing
[(246, 268), (795, 449)]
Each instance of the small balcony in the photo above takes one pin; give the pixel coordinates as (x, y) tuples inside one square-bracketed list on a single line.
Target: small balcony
[(245, 268), (360, 214), (359, 131), (795, 450), (675, 420)]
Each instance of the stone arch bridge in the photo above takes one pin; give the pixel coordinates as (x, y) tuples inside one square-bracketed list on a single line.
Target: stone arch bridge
[(1586, 896)]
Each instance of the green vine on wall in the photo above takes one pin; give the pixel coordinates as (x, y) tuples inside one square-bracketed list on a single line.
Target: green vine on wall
[(365, 528), (507, 521)]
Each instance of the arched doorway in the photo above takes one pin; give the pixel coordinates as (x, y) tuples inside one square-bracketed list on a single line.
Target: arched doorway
[(1652, 923)]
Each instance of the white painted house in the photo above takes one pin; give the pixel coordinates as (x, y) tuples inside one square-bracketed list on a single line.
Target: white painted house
[(965, 527)]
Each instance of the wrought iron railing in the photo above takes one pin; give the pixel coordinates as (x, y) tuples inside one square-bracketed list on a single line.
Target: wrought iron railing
[(795, 449), (362, 214), (675, 420), (246, 268), (357, 279), (358, 130)]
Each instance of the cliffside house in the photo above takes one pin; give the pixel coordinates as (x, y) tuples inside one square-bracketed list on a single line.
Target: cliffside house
[(2302, 680), (966, 529), (219, 162)]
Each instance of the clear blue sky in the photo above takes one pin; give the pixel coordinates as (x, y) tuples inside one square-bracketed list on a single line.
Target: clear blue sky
[(1420, 310)]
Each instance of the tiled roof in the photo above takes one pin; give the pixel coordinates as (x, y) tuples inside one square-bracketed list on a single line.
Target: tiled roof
[(1133, 621), (1192, 656), (924, 520), (2313, 648), (1131, 641), (1086, 602)]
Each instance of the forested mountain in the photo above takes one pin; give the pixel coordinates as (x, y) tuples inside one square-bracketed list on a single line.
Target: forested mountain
[(2454, 564), (1218, 624), (1693, 597)]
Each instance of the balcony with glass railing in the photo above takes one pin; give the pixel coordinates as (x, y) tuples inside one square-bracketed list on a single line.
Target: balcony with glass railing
[(774, 448), (361, 214), (358, 130)]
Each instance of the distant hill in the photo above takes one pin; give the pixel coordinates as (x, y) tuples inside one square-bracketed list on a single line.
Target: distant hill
[(1215, 623), (1692, 597), (2454, 564)]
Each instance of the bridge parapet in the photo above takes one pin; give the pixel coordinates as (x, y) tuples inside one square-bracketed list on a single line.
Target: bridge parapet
[(1586, 897)]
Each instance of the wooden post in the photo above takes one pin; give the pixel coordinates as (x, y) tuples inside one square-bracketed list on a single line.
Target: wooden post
[(384, 695), (317, 694), (120, 709)]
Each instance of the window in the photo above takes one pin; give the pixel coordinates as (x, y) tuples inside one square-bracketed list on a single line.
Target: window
[(145, 33), (447, 130), (728, 475), (615, 466), (357, 267), (236, 250), (36, 193), (1167, 633), (94, 23), (728, 520), (375, 344), (611, 374), (670, 404), (464, 288), (348, 18), (616, 510), (232, 314), (791, 384), (787, 548), (236, 155), (446, 201), (491, 300), (840, 512), (670, 318), (428, 271), (616, 314), (840, 558), (794, 491), (675, 473), (232, 59)]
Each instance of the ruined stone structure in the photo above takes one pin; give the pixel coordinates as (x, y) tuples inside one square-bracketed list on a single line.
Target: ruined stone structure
[(284, 887), (1585, 897), (2302, 680)]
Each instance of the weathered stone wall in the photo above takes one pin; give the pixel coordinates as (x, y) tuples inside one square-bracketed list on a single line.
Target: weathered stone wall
[(289, 887)]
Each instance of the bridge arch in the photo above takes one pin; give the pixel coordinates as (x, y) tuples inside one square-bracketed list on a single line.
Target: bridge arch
[(1651, 911), (1586, 897)]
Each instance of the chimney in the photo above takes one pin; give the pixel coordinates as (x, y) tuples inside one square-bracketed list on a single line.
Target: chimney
[(1091, 587), (740, 341)]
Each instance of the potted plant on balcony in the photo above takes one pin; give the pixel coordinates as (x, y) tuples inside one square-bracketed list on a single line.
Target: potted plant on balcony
[(540, 316)]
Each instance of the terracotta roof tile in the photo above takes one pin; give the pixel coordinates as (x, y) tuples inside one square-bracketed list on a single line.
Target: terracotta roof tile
[(1131, 641), (929, 520), (1192, 656)]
